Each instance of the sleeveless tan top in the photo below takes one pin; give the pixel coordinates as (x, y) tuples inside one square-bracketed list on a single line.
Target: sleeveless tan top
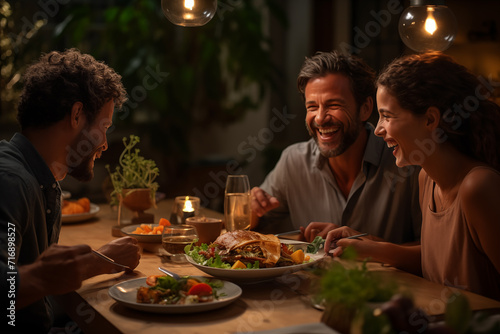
[(451, 251)]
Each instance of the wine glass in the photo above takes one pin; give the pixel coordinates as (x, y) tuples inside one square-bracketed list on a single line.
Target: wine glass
[(237, 210), (175, 237)]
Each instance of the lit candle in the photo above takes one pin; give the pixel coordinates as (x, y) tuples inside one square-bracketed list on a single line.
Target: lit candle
[(188, 210)]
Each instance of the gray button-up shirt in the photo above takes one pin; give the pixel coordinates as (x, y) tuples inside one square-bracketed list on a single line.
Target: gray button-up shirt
[(383, 200)]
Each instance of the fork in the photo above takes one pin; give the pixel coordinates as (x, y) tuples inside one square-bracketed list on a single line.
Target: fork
[(102, 256), (169, 273)]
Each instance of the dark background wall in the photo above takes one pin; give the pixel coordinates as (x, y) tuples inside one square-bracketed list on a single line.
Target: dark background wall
[(310, 26)]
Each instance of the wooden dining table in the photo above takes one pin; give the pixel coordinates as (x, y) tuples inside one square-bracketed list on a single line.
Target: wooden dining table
[(263, 306)]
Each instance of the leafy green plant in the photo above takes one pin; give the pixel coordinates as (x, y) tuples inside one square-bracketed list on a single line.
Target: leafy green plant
[(192, 77), (347, 289), (353, 286), (460, 318), (133, 171)]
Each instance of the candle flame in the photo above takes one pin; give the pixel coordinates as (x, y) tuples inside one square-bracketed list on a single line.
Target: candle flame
[(430, 22), (188, 206), (189, 4)]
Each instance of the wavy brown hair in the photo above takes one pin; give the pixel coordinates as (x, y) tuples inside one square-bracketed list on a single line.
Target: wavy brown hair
[(361, 76), (469, 118), (58, 80)]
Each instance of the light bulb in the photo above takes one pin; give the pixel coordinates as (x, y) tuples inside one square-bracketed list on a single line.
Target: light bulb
[(430, 22), (189, 13), (427, 26)]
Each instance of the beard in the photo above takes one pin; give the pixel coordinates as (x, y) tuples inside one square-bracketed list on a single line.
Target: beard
[(83, 169), (348, 136)]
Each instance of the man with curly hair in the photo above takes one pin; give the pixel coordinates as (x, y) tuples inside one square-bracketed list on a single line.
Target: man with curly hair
[(64, 112)]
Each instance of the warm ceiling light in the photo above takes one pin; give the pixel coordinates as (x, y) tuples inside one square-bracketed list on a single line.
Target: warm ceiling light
[(427, 25), (189, 13)]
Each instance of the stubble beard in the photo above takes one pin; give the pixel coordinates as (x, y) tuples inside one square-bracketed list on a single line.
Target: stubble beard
[(348, 138), (84, 171)]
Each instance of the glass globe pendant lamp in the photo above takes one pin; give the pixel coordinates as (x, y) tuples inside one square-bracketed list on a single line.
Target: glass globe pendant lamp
[(427, 25), (189, 13)]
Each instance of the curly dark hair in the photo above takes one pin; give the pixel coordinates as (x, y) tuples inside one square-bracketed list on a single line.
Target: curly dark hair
[(469, 118), (58, 80), (361, 76)]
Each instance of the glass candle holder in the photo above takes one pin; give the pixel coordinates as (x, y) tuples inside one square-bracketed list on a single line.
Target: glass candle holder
[(184, 207)]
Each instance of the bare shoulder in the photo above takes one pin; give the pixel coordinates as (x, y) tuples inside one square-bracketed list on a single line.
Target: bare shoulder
[(481, 189), (479, 180)]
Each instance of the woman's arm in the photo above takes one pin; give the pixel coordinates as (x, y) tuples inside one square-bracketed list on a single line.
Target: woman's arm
[(406, 257)]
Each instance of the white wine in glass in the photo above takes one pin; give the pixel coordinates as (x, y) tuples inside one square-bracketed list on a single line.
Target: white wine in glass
[(237, 209)]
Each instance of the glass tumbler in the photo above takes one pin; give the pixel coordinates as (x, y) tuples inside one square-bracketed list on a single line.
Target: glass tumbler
[(175, 237)]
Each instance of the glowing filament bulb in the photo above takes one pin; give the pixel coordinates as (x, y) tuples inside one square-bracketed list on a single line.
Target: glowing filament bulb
[(189, 4), (430, 22), (188, 207)]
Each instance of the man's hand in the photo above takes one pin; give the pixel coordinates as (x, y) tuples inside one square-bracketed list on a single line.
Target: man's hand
[(61, 269), (262, 202), (58, 270), (316, 229), (124, 251)]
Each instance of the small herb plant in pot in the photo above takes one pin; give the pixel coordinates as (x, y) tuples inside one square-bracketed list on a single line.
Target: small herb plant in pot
[(350, 293), (134, 178)]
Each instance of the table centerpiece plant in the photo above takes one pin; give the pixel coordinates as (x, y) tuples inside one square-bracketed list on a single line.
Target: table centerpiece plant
[(349, 292), (134, 178)]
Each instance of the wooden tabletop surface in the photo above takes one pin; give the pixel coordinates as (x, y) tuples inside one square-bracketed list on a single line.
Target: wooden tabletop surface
[(267, 305)]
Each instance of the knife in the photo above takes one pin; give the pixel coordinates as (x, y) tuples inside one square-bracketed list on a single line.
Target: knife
[(287, 233)]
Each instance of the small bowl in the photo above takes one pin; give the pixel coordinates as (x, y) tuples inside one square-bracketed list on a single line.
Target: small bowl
[(208, 229), (148, 242)]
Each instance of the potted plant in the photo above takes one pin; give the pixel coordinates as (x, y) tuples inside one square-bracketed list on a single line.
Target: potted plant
[(134, 178), (349, 292)]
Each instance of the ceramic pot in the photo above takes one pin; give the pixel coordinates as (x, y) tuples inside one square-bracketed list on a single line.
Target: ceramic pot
[(137, 199)]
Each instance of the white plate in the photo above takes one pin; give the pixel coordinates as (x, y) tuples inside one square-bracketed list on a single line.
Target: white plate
[(126, 293), (65, 194), (146, 238), (255, 275), (79, 217)]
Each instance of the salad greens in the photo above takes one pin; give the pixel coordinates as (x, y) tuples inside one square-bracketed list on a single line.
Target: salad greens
[(193, 251), (166, 290), (315, 245), (166, 282)]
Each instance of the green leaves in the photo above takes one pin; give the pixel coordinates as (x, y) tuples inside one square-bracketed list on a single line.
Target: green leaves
[(352, 286), (134, 171), (167, 282), (315, 245), (216, 262), (458, 313)]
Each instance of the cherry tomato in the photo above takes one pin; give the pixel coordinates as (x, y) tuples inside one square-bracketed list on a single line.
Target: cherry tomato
[(200, 289), (190, 283)]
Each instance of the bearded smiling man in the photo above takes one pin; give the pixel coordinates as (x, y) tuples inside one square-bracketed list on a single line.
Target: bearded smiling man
[(344, 175), (65, 109)]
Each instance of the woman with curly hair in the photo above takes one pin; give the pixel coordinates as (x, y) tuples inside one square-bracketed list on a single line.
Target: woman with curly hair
[(436, 114)]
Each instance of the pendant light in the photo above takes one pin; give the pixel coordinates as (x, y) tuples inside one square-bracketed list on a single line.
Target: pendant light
[(427, 25), (189, 13)]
